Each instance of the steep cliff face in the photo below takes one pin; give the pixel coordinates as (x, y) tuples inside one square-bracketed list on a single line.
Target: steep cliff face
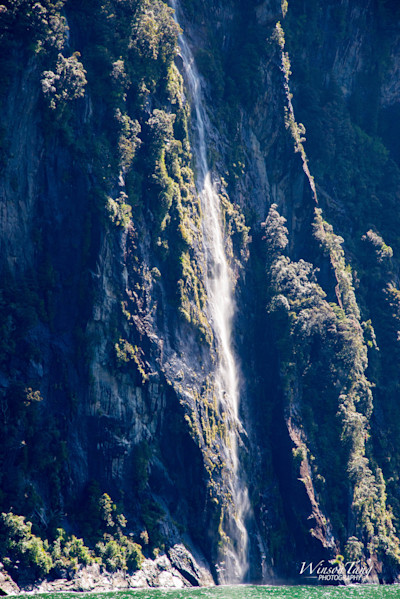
[(324, 372), (110, 352)]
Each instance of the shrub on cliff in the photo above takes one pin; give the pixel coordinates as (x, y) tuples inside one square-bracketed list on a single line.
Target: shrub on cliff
[(322, 346), (20, 550), (67, 552), (27, 555), (121, 554), (155, 33), (67, 82), (39, 22)]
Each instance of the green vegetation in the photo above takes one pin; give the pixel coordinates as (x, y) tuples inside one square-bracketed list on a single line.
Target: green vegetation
[(66, 83), (383, 251), (109, 100), (39, 25), (66, 553), (322, 347), (108, 204), (296, 129), (354, 169), (18, 544), (120, 212), (125, 353)]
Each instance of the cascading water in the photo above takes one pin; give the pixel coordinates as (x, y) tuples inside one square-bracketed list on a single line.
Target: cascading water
[(233, 567)]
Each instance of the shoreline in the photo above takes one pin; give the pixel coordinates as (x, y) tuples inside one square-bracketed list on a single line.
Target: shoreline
[(176, 570)]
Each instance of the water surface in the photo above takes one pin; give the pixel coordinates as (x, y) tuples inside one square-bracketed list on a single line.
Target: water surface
[(246, 592)]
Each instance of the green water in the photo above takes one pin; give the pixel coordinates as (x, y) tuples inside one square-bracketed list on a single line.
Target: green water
[(247, 592)]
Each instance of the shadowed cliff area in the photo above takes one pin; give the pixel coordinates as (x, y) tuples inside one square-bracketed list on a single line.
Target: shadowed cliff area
[(119, 438)]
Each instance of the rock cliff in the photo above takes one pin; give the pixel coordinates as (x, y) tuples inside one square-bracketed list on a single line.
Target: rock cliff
[(112, 427)]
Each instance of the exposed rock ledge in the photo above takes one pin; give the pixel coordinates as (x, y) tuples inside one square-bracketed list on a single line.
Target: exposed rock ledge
[(7, 585), (177, 570)]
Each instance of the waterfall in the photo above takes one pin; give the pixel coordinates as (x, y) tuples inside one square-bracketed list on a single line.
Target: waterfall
[(234, 564)]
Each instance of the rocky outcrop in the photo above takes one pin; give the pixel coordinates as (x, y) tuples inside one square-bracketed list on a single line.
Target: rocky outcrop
[(157, 573), (176, 571), (7, 585)]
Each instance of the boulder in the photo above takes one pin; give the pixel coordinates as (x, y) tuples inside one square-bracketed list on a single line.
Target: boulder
[(7, 585)]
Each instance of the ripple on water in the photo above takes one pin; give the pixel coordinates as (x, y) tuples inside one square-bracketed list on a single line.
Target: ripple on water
[(244, 592)]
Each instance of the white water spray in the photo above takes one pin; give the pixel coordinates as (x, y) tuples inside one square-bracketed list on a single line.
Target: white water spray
[(221, 305)]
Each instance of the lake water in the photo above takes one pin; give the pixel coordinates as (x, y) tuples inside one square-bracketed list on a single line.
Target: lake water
[(247, 592)]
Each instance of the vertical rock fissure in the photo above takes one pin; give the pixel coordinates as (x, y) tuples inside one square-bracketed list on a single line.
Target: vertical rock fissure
[(233, 561)]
